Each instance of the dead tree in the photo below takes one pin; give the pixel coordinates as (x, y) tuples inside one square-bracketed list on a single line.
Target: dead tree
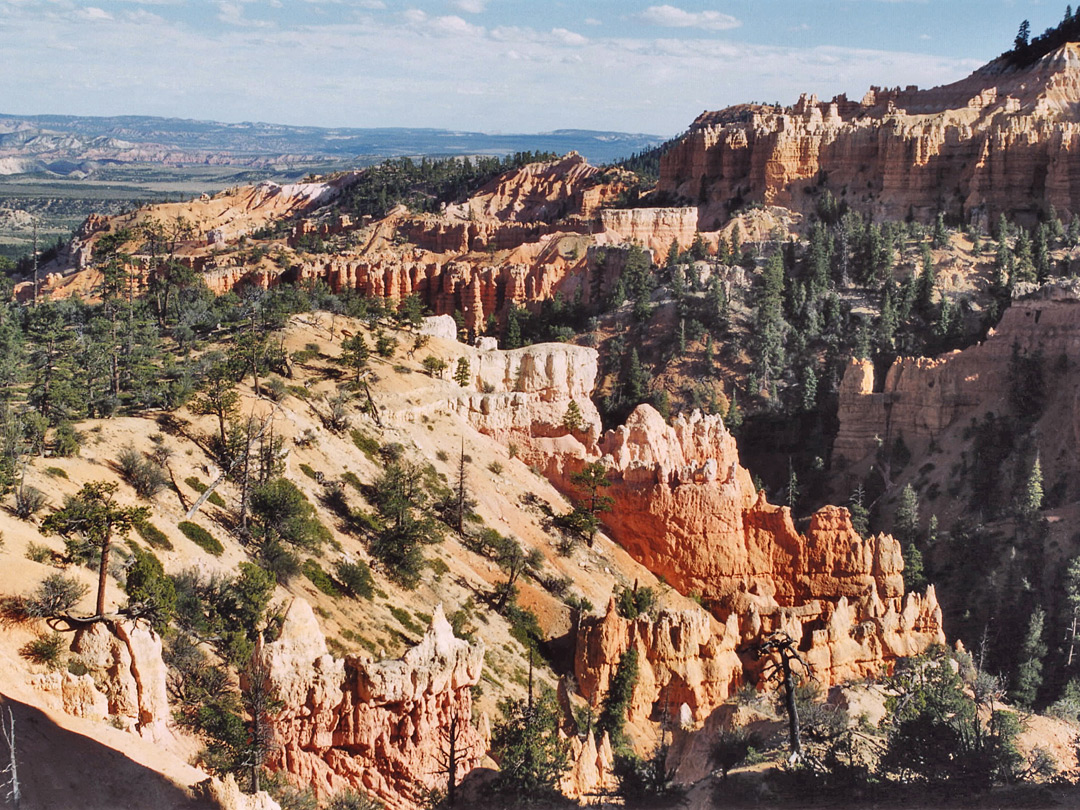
[(449, 756), (11, 771), (781, 651)]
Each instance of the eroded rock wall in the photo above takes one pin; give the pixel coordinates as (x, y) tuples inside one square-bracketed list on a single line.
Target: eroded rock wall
[(374, 726), (1000, 140), (922, 397)]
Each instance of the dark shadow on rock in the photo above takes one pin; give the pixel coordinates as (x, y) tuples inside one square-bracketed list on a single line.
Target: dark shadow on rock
[(61, 769)]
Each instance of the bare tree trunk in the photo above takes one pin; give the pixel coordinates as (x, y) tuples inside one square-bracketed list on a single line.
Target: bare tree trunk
[(103, 574), (12, 769)]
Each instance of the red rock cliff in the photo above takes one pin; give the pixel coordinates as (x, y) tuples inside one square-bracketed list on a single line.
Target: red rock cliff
[(371, 726), (1000, 140)]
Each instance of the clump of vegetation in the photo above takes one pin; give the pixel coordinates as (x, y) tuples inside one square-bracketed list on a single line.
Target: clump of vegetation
[(634, 602), (320, 579), (201, 537), (45, 650)]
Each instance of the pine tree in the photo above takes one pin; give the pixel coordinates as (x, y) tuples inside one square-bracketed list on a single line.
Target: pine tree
[(733, 419), (354, 354), (860, 515), (1031, 499), (636, 386), (573, 420), (906, 522), (927, 282), (941, 235), (462, 373), (1029, 674)]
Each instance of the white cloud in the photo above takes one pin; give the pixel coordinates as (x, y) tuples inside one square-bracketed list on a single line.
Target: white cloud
[(592, 21), (371, 5), (453, 24), (470, 6), (569, 37), (93, 13), (672, 17), (389, 70)]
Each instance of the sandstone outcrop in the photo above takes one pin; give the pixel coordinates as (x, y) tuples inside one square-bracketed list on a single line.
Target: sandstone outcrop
[(371, 726), (921, 398), (1001, 140), (520, 397), (685, 658), (591, 771), (654, 228), (125, 677), (686, 509)]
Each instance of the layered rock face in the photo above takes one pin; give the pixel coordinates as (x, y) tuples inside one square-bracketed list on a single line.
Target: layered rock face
[(1001, 140), (921, 397), (653, 228), (685, 659), (372, 726), (686, 509), (524, 395)]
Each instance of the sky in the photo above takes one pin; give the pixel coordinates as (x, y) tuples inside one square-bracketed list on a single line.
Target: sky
[(497, 66)]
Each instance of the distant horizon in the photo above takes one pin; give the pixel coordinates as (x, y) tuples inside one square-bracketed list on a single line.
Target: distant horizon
[(452, 131), (486, 66)]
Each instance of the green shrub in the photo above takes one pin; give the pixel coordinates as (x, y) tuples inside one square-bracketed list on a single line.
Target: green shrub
[(39, 553), (320, 579), (144, 476), (46, 650), (28, 501), (151, 594), (632, 603), (200, 487), (309, 472), (357, 579), (153, 535), (54, 595), (365, 443), (351, 800), (56, 472), (66, 441), (352, 480), (281, 511), (201, 537)]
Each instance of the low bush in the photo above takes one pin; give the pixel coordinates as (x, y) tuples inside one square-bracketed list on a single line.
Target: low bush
[(56, 594), (320, 579), (145, 476), (153, 535), (201, 537), (46, 650), (357, 579), (28, 501)]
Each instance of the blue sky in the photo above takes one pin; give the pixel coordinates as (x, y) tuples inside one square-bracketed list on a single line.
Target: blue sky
[(485, 65)]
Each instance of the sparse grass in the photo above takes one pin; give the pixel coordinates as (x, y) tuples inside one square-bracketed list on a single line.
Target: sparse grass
[(365, 443), (39, 553), (298, 391), (201, 537), (495, 467), (405, 620), (352, 480), (200, 487)]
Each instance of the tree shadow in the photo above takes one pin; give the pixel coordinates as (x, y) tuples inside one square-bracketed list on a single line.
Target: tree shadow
[(60, 769)]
